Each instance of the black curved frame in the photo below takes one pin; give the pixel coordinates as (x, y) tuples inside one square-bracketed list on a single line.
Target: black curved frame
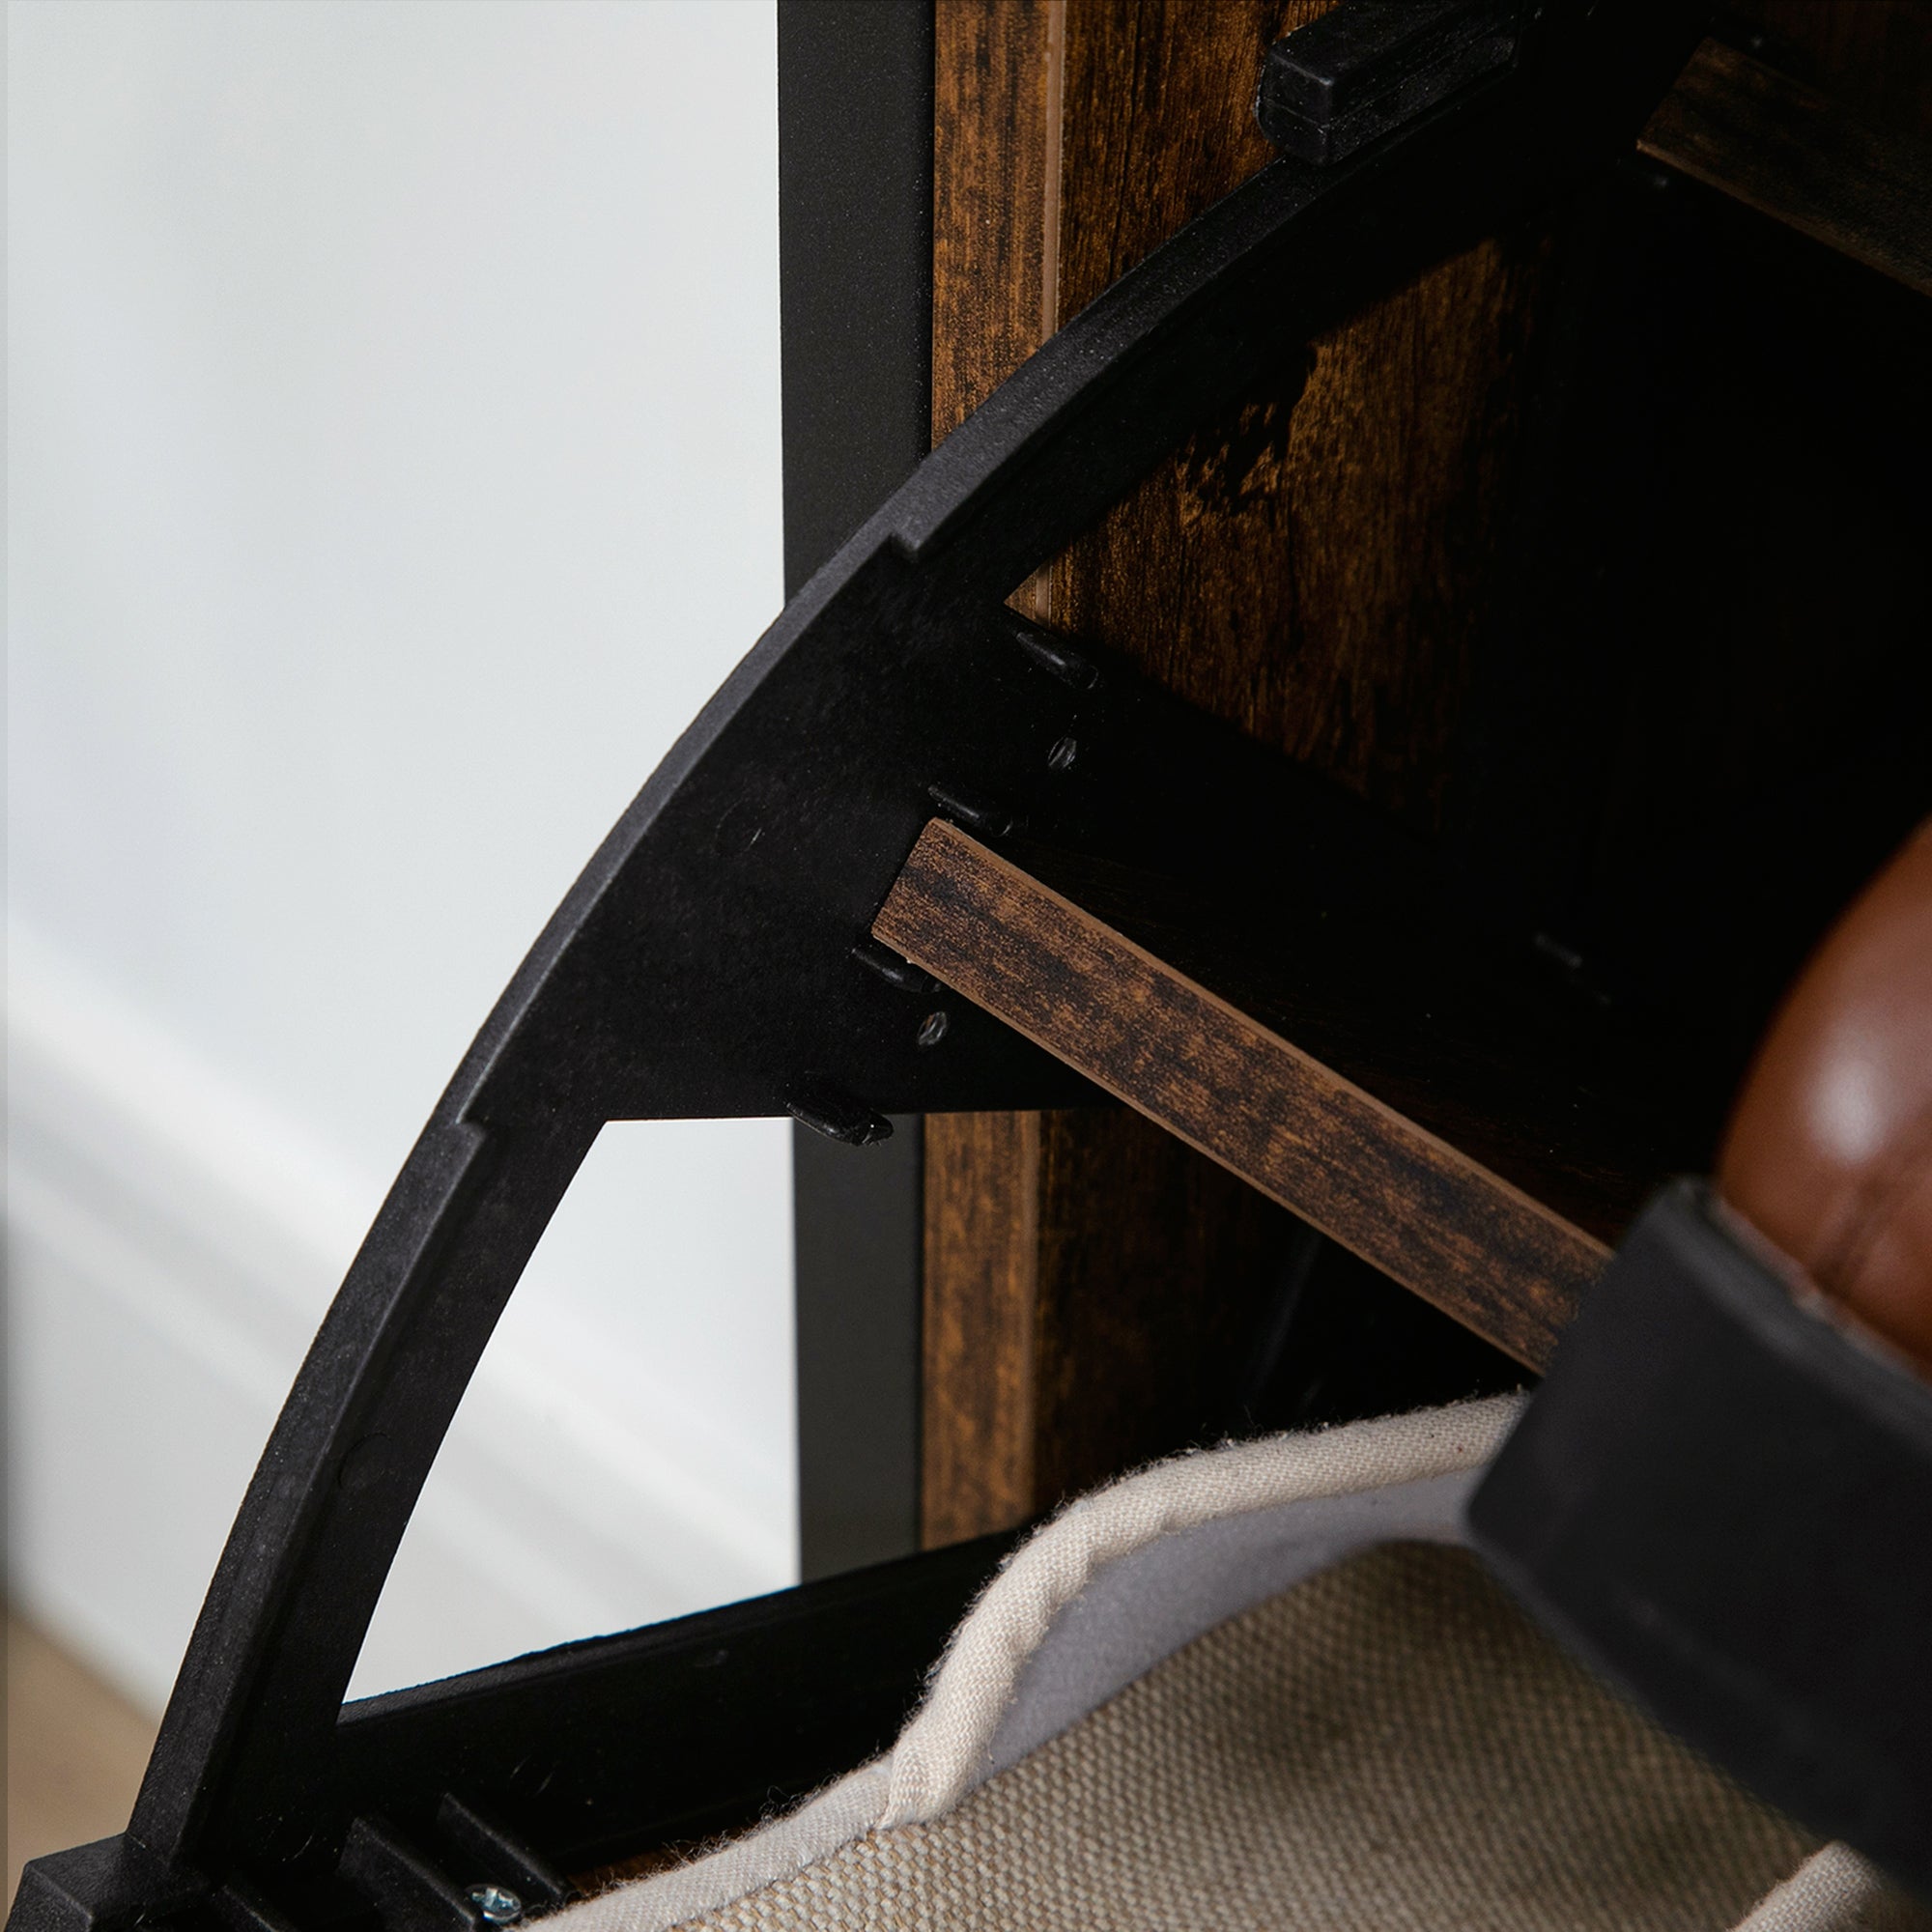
[(711, 960)]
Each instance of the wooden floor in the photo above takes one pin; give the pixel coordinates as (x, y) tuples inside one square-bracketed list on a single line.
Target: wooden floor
[(76, 1750)]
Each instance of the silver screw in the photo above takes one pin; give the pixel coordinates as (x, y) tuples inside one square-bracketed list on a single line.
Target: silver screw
[(499, 1905), (932, 1029), (1064, 751)]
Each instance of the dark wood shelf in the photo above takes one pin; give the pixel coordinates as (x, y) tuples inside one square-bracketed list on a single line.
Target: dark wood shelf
[(1800, 156), (1415, 1114)]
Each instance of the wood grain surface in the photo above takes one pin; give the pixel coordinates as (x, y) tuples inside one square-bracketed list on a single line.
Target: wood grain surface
[(1420, 1209), (996, 116), (980, 1337), (1316, 565), (1103, 1286), (1475, 1049), (1799, 156)]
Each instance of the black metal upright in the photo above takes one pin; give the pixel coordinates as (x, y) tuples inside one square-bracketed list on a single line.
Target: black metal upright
[(855, 272)]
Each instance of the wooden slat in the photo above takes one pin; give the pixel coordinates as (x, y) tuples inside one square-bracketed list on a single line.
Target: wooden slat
[(1795, 155), (1425, 1212)]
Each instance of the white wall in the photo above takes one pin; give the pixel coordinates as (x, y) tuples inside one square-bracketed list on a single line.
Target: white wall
[(394, 396)]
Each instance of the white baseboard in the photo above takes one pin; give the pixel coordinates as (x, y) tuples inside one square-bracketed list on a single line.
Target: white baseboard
[(171, 1248)]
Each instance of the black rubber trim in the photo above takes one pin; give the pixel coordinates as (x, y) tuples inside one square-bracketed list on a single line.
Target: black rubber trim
[(1722, 1499)]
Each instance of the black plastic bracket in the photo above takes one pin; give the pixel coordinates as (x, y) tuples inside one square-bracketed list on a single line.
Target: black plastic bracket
[(485, 1852), (111, 1882), (410, 1891), (1360, 72), (1722, 1499)]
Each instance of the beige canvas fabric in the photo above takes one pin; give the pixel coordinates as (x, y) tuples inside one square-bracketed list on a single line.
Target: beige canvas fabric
[(1835, 1887), (1386, 1743), (1322, 1494)]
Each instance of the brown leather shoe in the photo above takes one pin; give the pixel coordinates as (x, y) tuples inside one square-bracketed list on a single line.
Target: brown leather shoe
[(1718, 1496), (1829, 1153)]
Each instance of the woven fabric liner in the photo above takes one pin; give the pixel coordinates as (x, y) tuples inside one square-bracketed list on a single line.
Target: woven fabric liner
[(1836, 1888), (1389, 1746)]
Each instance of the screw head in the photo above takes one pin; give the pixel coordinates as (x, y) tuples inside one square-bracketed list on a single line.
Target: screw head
[(1064, 751), (499, 1905), (932, 1029)]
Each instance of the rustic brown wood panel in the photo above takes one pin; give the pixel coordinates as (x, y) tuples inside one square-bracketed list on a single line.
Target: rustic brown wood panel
[(1420, 1209), (996, 84), (1314, 569), (1073, 1324), (980, 1342), (1095, 1307), (996, 99), (1158, 1268), (1799, 156)]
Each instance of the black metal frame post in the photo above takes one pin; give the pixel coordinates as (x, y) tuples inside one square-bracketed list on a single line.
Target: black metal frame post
[(854, 276)]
